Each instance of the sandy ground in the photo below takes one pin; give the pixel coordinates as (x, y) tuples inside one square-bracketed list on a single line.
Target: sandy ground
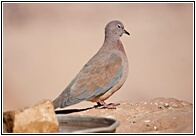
[(159, 115)]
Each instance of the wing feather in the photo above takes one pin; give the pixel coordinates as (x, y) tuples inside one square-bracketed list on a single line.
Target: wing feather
[(95, 78)]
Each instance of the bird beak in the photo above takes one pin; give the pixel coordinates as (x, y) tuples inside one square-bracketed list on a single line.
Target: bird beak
[(126, 32)]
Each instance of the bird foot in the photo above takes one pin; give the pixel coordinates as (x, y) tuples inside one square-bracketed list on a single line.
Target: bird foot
[(103, 105)]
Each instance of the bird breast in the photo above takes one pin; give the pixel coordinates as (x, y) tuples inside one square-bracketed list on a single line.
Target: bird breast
[(121, 53)]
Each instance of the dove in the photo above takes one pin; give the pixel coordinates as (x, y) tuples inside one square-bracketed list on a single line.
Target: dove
[(102, 75)]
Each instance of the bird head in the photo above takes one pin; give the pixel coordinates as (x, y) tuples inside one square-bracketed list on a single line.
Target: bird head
[(115, 29)]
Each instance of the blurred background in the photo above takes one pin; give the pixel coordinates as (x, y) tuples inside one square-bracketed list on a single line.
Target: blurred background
[(46, 44)]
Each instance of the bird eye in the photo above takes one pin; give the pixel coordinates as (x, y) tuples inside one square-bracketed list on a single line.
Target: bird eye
[(119, 26)]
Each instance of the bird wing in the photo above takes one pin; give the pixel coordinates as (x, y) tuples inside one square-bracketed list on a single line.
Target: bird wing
[(96, 77)]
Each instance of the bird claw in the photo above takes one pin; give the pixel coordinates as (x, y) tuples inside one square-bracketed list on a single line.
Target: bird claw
[(103, 105)]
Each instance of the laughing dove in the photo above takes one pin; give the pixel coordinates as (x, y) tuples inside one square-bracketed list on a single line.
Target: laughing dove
[(102, 75)]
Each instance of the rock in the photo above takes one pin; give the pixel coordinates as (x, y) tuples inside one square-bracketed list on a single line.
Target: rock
[(39, 118), (157, 115)]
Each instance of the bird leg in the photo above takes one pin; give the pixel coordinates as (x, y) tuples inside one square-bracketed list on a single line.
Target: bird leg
[(107, 106)]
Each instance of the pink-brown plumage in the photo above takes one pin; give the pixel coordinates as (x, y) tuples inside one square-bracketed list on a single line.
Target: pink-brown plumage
[(102, 75)]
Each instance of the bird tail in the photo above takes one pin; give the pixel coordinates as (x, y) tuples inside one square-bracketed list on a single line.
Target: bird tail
[(64, 100), (56, 103)]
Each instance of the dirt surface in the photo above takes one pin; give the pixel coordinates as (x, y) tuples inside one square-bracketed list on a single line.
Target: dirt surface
[(159, 115)]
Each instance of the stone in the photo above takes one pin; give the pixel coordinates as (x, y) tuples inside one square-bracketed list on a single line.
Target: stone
[(39, 118)]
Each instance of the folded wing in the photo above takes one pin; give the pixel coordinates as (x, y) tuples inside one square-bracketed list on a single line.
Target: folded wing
[(95, 78)]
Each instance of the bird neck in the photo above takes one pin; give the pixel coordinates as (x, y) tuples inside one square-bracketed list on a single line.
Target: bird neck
[(110, 44)]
